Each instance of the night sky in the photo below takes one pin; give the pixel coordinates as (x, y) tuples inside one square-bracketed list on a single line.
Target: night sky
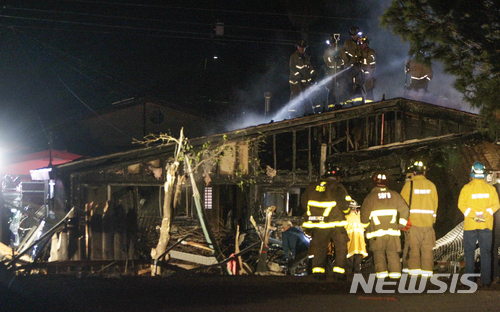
[(65, 60)]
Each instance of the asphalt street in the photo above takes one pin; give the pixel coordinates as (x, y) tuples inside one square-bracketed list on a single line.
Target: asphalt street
[(195, 292)]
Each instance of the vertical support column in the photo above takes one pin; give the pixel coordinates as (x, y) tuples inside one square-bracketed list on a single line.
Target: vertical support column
[(397, 128), (367, 132), (329, 138), (403, 127), (347, 135), (274, 153), (322, 160), (422, 124), (382, 130), (309, 161), (294, 152)]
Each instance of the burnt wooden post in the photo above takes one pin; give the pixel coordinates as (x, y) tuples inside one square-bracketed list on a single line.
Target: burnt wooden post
[(329, 138), (398, 128), (347, 135), (367, 132), (120, 237), (108, 251), (422, 126), (274, 153), (309, 158), (96, 234), (132, 229), (294, 159), (53, 248), (63, 246), (403, 127)]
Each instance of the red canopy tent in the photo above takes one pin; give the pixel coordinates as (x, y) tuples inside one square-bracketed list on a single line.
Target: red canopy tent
[(38, 160)]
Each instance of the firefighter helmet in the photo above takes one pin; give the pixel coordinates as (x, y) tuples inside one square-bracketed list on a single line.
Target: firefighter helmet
[(354, 204), (477, 170), (302, 44), (380, 179), (354, 30), (364, 39), (332, 170), (418, 167)]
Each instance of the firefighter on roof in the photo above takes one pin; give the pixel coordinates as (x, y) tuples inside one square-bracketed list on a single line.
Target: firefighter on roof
[(478, 201), (353, 77), (327, 203), (334, 65), (368, 68), (421, 196), (420, 73), (302, 73), (384, 212)]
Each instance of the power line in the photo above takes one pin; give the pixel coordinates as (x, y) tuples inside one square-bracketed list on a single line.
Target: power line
[(228, 26), (213, 10), (195, 36), (155, 20)]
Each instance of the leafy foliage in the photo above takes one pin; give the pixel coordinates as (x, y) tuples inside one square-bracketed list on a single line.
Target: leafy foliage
[(465, 36)]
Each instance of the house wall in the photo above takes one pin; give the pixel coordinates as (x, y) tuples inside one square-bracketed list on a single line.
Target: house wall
[(289, 155), (116, 129)]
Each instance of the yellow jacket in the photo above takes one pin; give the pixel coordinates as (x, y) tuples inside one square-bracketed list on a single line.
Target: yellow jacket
[(478, 198), (424, 201), (356, 232)]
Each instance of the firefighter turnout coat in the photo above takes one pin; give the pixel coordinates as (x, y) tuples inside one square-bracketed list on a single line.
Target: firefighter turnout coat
[(420, 74), (368, 65), (424, 201), (478, 199), (334, 63), (353, 77), (422, 197), (301, 70), (351, 53), (384, 211), (326, 203)]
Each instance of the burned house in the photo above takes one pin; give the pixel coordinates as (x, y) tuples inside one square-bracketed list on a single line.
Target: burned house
[(114, 128), (270, 165)]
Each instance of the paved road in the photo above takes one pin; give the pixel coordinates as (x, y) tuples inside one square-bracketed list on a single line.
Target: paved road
[(190, 292)]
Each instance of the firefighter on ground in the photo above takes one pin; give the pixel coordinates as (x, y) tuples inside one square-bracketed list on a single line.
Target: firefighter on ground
[(356, 247), (420, 74), (478, 201), (368, 65), (302, 73), (327, 203), (353, 77), (384, 212), (421, 196), (334, 65)]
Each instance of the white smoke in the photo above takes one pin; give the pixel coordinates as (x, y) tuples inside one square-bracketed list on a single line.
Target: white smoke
[(391, 55)]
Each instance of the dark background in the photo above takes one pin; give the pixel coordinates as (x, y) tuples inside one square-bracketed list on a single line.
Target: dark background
[(66, 60)]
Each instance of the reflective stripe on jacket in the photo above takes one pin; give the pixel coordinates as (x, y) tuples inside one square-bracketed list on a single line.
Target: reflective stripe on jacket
[(478, 198), (326, 203), (385, 211), (300, 68), (424, 201)]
